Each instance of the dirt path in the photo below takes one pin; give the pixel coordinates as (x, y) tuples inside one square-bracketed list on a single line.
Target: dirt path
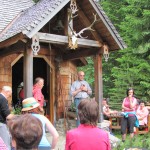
[(61, 141)]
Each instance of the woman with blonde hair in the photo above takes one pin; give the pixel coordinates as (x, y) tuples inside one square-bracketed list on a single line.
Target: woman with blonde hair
[(30, 105)]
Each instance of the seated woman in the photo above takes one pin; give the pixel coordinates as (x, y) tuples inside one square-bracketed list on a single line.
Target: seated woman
[(142, 113)]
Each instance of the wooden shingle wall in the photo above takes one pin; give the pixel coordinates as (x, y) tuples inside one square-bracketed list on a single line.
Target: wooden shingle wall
[(67, 74), (6, 71)]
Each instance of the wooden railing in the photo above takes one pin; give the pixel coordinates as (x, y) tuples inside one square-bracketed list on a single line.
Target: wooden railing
[(115, 106)]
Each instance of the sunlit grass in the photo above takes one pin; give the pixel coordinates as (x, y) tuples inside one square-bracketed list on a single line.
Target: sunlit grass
[(139, 141)]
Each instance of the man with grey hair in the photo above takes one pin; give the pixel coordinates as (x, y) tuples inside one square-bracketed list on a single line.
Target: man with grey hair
[(5, 114), (80, 89)]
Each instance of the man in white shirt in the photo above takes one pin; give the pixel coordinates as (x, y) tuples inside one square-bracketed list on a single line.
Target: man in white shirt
[(80, 89)]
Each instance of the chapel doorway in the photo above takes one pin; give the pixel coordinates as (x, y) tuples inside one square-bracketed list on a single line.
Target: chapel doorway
[(40, 69)]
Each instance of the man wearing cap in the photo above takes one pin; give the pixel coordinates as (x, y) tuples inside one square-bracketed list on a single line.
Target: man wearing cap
[(5, 114), (80, 89)]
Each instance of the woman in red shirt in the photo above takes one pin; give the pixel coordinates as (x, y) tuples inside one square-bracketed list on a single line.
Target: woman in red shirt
[(87, 136)]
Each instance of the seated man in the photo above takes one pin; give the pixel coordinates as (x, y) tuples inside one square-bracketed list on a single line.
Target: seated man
[(106, 110), (142, 113)]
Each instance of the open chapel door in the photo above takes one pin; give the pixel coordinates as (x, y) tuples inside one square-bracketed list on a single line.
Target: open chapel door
[(41, 68)]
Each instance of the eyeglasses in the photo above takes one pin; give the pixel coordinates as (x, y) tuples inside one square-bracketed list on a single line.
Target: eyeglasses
[(82, 75)]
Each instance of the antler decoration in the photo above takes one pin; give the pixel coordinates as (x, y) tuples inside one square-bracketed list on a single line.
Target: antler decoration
[(87, 28), (72, 34), (73, 6), (73, 42)]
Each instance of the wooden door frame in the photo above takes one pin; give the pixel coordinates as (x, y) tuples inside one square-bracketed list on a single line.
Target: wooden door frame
[(52, 81), (52, 87)]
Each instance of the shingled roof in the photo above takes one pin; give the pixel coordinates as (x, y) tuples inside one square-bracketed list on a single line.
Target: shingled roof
[(9, 9), (31, 20), (34, 18)]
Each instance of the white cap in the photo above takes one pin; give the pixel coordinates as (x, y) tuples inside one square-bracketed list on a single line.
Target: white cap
[(21, 84)]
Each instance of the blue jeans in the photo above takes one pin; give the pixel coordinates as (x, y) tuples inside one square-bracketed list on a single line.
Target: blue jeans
[(76, 102)]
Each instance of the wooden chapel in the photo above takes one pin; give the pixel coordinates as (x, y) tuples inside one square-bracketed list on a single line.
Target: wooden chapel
[(50, 39)]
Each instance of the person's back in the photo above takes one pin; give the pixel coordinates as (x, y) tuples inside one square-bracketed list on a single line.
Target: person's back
[(44, 142), (26, 131), (87, 136)]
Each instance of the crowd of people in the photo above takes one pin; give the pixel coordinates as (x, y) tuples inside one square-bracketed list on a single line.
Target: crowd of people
[(27, 131), (134, 113)]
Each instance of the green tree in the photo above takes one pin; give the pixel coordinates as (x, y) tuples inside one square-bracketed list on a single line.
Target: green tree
[(131, 18), (129, 67)]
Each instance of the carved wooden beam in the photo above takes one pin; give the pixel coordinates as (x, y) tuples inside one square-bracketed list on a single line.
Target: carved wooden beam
[(15, 48), (11, 40), (19, 47), (59, 39), (76, 54)]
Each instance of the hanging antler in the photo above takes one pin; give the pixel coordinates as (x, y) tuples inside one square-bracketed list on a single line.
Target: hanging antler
[(87, 28)]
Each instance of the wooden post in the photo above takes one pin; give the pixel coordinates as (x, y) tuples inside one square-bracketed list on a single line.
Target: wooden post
[(69, 22), (98, 84), (28, 72)]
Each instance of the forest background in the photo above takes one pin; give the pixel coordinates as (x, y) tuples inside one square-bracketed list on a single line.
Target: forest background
[(129, 67)]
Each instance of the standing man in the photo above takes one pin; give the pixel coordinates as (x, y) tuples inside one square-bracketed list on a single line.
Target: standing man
[(5, 114), (37, 91), (80, 89)]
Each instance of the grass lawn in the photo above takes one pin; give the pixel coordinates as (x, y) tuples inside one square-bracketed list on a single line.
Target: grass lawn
[(139, 141)]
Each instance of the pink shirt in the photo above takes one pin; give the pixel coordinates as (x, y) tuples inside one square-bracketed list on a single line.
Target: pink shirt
[(142, 115), (87, 137), (126, 103), (2, 145), (37, 94)]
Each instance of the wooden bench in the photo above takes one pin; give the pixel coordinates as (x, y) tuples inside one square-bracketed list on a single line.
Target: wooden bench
[(144, 129), (115, 121)]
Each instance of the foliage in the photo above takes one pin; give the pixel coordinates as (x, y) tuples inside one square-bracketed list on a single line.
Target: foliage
[(129, 67), (140, 141), (132, 68), (72, 108), (35, 1), (16, 111)]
